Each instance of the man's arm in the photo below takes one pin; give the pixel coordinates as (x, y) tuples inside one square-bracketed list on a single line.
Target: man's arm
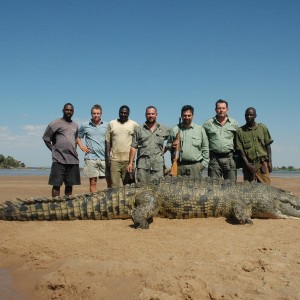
[(48, 144), (205, 148), (107, 154), (132, 153), (269, 151), (108, 145), (240, 149), (171, 140), (47, 137), (82, 146), (249, 166)]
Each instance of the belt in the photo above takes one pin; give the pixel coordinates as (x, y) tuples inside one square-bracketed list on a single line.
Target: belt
[(188, 162), (220, 155)]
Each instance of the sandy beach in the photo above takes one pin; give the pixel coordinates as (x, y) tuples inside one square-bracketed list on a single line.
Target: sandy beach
[(174, 259)]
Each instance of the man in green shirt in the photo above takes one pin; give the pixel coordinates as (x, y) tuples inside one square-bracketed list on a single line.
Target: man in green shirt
[(221, 131), (148, 142), (254, 143), (194, 147)]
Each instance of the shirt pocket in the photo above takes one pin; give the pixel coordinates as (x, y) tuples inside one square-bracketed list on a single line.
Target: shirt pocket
[(247, 143), (143, 142), (160, 138), (196, 142), (261, 140), (229, 134)]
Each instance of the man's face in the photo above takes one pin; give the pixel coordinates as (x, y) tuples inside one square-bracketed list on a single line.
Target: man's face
[(123, 115), (221, 110), (250, 116), (151, 115), (96, 115), (187, 117), (68, 112)]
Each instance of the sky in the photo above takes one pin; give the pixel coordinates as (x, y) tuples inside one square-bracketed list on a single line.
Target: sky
[(166, 53)]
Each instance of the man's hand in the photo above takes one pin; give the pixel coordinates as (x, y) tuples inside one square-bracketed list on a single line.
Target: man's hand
[(251, 168), (85, 149), (130, 168)]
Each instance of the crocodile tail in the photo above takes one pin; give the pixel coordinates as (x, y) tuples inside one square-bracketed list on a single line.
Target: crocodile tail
[(108, 204), (59, 208)]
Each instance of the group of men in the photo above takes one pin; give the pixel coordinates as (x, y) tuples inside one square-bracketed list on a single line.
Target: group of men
[(123, 152)]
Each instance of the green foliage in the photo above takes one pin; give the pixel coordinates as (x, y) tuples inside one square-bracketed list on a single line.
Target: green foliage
[(284, 168), (9, 162)]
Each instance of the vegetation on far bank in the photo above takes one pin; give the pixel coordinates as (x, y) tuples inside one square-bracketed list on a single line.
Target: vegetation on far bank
[(10, 163), (284, 168)]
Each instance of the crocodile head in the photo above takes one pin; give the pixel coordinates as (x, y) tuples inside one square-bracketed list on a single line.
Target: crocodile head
[(274, 203), (288, 205)]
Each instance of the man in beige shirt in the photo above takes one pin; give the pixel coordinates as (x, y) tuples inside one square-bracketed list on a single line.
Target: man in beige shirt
[(117, 145)]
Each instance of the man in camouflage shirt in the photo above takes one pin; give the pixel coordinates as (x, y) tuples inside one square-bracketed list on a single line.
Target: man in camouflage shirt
[(148, 142)]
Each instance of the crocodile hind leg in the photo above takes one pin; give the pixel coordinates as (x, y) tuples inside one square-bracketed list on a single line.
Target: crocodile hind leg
[(145, 210)]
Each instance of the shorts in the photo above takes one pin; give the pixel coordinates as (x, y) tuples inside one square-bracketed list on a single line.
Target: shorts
[(67, 174), (94, 168)]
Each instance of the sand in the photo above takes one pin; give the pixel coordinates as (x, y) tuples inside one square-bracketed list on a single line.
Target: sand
[(174, 259)]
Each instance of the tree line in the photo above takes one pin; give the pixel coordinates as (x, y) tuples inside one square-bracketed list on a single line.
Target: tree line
[(284, 168), (9, 162)]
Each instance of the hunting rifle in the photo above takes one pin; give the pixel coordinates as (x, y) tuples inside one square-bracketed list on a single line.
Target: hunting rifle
[(174, 168)]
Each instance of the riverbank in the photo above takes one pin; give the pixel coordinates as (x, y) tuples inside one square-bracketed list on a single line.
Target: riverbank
[(174, 259)]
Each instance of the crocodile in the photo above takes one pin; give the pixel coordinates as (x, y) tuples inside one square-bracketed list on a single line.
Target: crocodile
[(168, 197)]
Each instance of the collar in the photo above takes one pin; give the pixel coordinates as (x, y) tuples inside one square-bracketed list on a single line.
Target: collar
[(183, 127), (251, 128), (123, 122), (92, 124), (216, 120), (146, 126)]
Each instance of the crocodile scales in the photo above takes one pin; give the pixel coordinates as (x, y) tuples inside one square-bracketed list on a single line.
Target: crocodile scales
[(169, 197)]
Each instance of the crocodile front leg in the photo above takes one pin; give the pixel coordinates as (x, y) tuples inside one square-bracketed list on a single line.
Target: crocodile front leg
[(242, 213), (145, 210)]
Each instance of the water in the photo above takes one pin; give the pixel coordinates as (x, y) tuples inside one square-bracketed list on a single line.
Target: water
[(25, 172), (286, 174), (46, 172), (6, 292)]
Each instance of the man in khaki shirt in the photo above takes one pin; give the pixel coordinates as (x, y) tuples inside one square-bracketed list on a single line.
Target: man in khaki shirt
[(118, 141)]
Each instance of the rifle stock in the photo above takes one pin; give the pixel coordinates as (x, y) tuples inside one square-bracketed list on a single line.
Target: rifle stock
[(174, 167)]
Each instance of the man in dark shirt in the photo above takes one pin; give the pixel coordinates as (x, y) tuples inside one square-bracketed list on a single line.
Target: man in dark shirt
[(61, 138)]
